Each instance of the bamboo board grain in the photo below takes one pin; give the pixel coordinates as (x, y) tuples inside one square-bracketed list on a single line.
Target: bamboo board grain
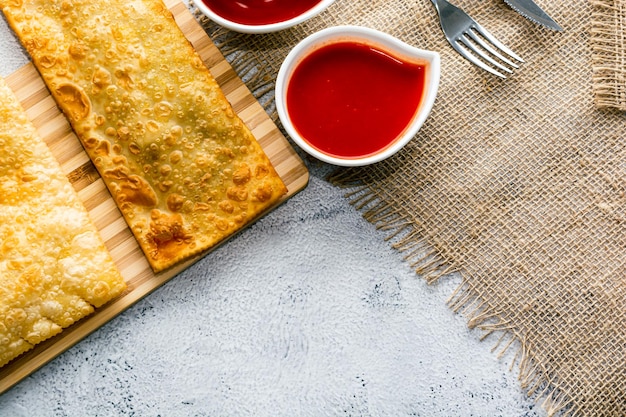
[(56, 131)]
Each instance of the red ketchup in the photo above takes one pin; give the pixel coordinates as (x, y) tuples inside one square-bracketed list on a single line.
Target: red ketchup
[(349, 99), (260, 12)]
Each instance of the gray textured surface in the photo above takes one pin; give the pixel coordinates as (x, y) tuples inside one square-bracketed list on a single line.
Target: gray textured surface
[(307, 313)]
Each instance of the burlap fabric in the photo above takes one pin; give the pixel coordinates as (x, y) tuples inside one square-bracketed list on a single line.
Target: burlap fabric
[(608, 42), (517, 184)]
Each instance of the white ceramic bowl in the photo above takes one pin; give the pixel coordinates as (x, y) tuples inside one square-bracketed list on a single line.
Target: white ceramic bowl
[(374, 38), (266, 28)]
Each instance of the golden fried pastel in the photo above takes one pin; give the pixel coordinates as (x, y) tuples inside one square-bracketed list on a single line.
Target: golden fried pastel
[(182, 167), (54, 267)]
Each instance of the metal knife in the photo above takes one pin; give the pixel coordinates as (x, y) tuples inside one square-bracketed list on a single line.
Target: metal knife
[(530, 10)]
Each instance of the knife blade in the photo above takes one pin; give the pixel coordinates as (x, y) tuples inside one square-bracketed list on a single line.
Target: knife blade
[(534, 13)]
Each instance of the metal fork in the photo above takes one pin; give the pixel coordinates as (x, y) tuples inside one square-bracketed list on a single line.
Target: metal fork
[(473, 42)]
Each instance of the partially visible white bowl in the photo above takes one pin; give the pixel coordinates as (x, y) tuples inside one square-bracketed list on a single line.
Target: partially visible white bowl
[(266, 28), (374, 38)]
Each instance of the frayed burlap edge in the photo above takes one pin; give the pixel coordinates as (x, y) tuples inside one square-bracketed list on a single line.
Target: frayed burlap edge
[(404, 236), (607, 39)]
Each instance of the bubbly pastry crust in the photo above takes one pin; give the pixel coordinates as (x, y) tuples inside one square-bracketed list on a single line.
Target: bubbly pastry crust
[(182, 167), (54, 267)]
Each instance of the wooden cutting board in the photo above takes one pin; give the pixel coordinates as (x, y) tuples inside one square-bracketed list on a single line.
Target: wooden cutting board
[(56, 131)]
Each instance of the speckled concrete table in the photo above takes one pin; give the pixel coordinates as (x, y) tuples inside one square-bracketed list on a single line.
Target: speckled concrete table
[(309, 312)]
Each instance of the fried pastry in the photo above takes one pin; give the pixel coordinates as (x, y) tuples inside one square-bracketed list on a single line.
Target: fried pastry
[(54, 267), (183, 168)]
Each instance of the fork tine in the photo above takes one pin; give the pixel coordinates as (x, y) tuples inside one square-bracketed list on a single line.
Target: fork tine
[(491, 50), (485, 34), (465, 53), (469, 45), (473, 42)]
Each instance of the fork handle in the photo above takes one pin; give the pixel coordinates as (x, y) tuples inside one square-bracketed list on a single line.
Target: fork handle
[(436, 3)]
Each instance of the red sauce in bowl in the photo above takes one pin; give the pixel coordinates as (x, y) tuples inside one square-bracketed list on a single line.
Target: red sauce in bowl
[(260, 12), (349, 99)]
